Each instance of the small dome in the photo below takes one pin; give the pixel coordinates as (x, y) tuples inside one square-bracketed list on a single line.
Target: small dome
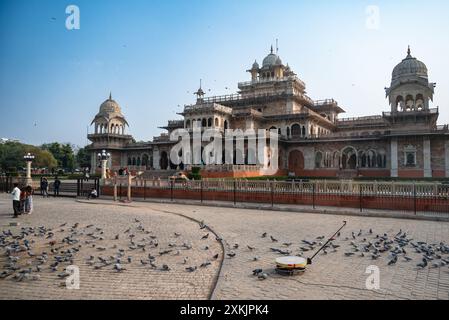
[(410, 66), (110, 107), (255, 65)]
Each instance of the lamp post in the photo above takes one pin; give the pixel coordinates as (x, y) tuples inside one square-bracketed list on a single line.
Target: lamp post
[(29, 159), (103, 156)]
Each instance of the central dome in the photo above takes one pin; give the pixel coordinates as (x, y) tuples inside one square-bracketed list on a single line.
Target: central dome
[(410, 66), (271, 60)]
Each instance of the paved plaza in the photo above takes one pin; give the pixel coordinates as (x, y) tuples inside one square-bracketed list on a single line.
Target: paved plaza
[(167, 231)]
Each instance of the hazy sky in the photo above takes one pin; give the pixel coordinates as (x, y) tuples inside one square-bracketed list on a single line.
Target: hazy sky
[(151, 55)]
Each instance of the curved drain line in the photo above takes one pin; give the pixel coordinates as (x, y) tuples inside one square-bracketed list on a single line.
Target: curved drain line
[(217, 277)]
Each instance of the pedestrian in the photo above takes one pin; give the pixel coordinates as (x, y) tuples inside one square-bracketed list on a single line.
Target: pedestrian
[(93, 194), (56, 186), (16, 200), (29, 199), (22, 200), (44, 187)]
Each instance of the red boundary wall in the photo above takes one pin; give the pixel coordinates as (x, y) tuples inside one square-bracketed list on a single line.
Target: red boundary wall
[(396, 203)]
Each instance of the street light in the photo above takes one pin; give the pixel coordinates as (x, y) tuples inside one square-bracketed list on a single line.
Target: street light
[(29, 159), (103, 156)]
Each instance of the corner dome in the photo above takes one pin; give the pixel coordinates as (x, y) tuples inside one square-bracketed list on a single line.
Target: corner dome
[(410, 66), (110, 107)]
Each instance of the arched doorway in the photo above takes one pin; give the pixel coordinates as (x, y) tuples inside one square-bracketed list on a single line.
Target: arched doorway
[(349, 158), (145, 161), (296, 162), (163, 162)]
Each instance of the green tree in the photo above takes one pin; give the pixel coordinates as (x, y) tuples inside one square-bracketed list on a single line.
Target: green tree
[(63, 153), (83, 158), (11, 157)]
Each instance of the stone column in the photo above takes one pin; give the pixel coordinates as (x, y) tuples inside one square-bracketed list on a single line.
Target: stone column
[(28, 170), (104, 165), (446, 148), (394, 158), (156, 158), (427, 158), (93, 162)]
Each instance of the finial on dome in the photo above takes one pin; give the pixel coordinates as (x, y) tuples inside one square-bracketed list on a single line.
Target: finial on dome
[(409, 52), (110, 95), (271, 49)]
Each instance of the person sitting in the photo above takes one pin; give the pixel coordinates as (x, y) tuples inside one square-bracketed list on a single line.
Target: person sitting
[(93, 194)]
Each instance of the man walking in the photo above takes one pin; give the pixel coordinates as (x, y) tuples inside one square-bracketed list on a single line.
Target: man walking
[(16, 200), (56, 186)]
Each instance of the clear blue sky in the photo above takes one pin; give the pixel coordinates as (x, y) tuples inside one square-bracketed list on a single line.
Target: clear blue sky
[(151, 55)]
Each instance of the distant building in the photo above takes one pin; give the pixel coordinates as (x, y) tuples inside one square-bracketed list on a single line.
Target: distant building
[(5, 140), (314, 141)]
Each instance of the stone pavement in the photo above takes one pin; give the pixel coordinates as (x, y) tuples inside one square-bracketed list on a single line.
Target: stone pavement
[(332, 275), (137, 281)]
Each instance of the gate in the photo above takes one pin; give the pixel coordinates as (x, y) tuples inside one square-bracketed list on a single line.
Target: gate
[(84, 186)]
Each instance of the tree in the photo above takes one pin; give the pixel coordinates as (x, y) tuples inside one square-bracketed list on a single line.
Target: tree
[(83, 158), (63, 153), (11, 156)]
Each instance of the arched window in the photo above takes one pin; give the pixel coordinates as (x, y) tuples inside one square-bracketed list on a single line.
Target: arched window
[(296, 131), (400, 103), (303, 131), (216, 122), (129, 161), (138, 161), (318, 159), (226, 124), (134, 161), (204, 123), (209, 122), (288, 132)]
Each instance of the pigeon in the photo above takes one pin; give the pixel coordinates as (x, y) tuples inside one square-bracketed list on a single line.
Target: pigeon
[(205, 237), (205, 264), (262, 276), (191, 269), (349, 254), (264, 235), (250, 248), (177, 234), (393, 261), (287, 244), (165, 268), (273, 239), (236, 246), (215, 257), (118, 267), (231, 255), (423, 264), (257, 272)]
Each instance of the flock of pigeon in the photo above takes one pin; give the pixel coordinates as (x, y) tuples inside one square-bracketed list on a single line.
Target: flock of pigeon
[(32, 250), (393, 248)]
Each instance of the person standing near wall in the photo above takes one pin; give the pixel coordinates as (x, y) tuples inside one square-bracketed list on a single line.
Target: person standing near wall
[(56, 186), (44, 187), (15, 194)]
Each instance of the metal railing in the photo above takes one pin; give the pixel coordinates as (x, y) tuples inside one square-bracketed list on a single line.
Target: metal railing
[(404, 197)]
